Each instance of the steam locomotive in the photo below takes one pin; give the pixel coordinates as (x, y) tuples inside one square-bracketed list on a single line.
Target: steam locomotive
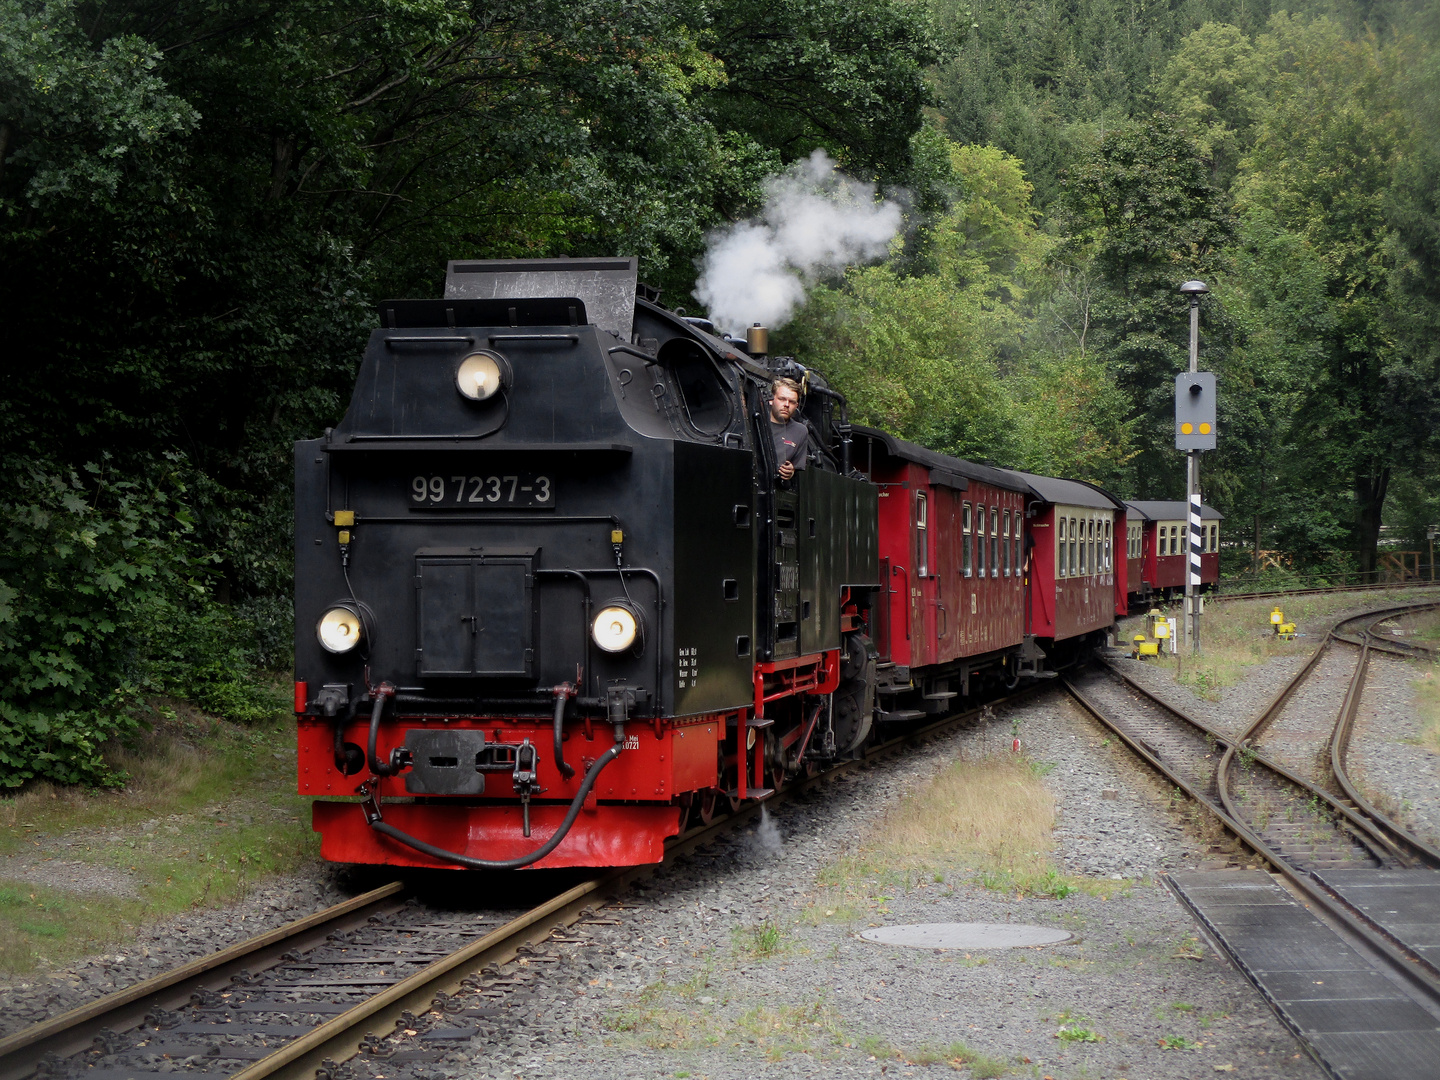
[(553, 600)]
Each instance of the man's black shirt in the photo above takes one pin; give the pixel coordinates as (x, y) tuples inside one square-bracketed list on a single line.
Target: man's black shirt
[(791, 440)]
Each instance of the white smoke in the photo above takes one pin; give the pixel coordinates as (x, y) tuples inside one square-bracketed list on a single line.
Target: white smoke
[(815, 219), (766, 840)]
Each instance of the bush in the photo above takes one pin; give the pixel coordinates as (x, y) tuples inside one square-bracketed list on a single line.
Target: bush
[(86, 562), (210, 654), (105, 597)]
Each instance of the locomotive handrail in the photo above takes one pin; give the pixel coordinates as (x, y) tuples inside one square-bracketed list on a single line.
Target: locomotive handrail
[(435, 442), (415, 339), (572, 338)]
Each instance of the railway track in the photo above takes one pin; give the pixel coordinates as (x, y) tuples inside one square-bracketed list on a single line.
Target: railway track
[(1281, 787), (352, 979), (1214, 598)]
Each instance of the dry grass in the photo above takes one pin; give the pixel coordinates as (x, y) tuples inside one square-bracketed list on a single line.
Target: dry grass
[(989, 820), (1236, 635), (1425, 628), (997, 807), (1427, 693)]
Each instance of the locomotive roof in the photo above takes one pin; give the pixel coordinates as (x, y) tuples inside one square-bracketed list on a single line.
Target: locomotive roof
[(1052, 489), (1172, 510), (945, 470)]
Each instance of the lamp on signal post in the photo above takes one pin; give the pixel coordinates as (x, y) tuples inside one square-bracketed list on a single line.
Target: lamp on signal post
[(1194, 432)]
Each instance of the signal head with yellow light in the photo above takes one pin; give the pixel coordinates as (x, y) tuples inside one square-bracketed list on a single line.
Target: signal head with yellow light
[(618, 627), (482, 375), (1195, 410)]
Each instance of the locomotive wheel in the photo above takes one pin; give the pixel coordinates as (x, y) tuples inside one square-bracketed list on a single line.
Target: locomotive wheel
[(704, 805), (855, 697)]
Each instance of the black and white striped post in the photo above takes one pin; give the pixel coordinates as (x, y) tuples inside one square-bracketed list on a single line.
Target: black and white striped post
[(1191, 632)]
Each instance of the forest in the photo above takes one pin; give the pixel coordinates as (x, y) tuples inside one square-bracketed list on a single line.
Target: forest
[(201, 204)]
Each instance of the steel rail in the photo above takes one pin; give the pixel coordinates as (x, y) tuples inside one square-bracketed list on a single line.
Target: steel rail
[(1232, 745), (1401, 844), (1387, 586), (340, 1037), (73, 1031), (1414, 968), (1340, 746)]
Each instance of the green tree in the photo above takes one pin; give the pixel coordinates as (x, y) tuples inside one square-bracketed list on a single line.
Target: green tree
[(1323, 154), (1142, 215)]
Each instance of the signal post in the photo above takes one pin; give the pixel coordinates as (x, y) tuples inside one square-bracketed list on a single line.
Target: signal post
[(1194, 432)]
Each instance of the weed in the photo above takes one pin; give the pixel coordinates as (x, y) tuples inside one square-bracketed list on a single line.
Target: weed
[(877, 1047), (764, 940), (1182, 1007), (1179, 1042)]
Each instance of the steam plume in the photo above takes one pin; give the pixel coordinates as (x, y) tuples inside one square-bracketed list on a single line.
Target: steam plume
[(815, 219)]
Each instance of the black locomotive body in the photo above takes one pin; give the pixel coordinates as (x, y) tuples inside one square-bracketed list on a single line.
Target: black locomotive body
[(550, 595)]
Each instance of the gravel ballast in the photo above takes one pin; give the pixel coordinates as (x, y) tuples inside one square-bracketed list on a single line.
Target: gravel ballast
[(168, 944), (1387, 759), (738, 963)]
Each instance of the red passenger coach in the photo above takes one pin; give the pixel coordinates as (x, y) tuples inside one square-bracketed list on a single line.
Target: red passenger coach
[(951, 552), (1077, 585), (1157, 535)]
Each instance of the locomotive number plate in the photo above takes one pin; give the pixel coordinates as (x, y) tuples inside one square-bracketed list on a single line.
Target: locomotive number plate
[(481, 492)]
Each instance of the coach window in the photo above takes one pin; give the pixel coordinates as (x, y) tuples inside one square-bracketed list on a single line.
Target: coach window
[(1107, 544), (1092, 543), (967, 562), (1060, 550), (1019, 558), (1214, 537), (1005, 541), (1074, 547), (994, 541), (980, 541), (922, 546)]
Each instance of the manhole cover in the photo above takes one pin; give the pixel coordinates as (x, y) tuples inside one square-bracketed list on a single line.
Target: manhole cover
[(965, 935)]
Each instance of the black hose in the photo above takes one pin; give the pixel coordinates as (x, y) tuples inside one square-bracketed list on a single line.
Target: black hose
[(507, 864), (561, 696), (378, 767)]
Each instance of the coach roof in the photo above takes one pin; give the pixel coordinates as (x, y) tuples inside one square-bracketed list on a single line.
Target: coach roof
[(1172, 510), (1052, 489), (945, 471)]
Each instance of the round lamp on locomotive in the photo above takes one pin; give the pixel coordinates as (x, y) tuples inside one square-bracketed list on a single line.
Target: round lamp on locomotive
[(481, 375), (617, 627), (340, 630)]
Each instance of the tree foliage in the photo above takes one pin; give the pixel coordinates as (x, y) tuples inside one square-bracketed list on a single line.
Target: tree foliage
[(200, 206)]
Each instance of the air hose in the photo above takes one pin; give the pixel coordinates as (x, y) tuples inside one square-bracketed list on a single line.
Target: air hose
[(371, 806), (378, 767)]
